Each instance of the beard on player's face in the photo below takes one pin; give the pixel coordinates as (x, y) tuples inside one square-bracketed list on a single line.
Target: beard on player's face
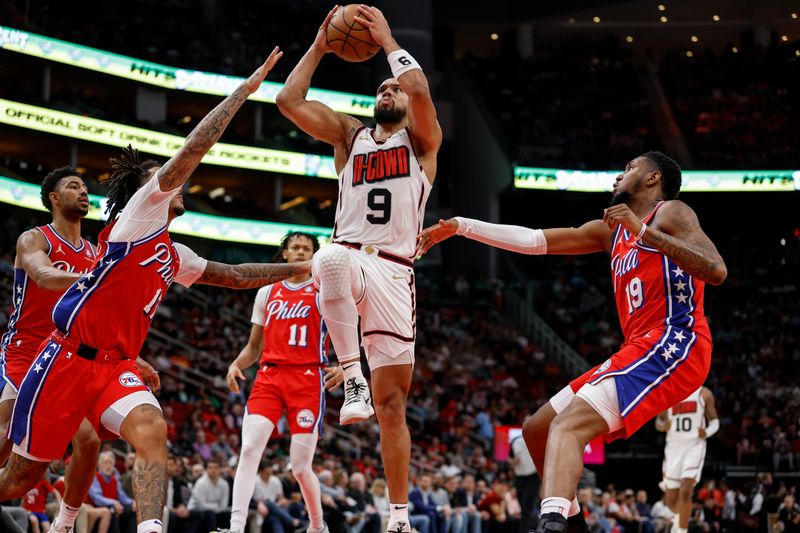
[(388, 115), (621, 197)]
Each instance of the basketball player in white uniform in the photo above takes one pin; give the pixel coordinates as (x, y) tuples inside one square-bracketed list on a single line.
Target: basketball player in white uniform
[(385, 176), (687, 425)]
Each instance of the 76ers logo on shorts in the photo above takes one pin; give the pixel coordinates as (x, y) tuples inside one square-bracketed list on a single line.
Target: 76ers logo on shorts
[(305, 418), (603, 367), (129, 379)]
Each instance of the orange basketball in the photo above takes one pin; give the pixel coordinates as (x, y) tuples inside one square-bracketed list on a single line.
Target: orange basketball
[(348, 38)]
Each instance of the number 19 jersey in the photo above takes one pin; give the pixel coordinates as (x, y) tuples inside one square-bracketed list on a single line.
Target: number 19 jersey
[(382, 194)]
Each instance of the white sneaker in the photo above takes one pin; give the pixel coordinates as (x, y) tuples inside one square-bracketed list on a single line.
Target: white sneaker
[(54, 529), (401, 526), (323, 529), (357, 402)]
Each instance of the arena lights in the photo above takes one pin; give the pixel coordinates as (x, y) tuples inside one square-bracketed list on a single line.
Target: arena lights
[(629, 39), (153, 142), (552, 179), (28, 195), (715, 18), (664, 19), (193, 81)]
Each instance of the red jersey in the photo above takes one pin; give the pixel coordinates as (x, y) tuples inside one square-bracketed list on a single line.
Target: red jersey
[(36, 498), (30, 322), (651, 291), (294, 333), (111, 307)]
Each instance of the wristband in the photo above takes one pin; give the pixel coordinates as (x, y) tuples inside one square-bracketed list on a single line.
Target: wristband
[(641, 233), (401, 62), (712, 428)]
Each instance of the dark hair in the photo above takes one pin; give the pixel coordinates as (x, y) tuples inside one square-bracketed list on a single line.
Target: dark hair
[(278, 258), (50, 182), (213, 461), (126, 176), (264, 464), (670, 173)]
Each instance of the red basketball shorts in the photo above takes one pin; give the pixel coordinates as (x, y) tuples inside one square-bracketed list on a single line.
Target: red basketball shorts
[(297, 389), (60, 390), (652, 374)]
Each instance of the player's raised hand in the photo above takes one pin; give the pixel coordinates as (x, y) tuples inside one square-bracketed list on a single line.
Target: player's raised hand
[(149, 374), (254, 81), (373, 19), (622, 215), (234, 374), (321, 40), (435, 234), (334, 376)]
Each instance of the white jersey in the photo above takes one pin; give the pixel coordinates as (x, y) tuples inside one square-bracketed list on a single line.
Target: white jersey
[(382, 194), (687, 418)]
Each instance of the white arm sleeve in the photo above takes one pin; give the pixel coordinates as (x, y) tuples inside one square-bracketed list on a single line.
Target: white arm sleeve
[(712, 428), (191, 266), (259, 307), (513, 238), (146, 212)]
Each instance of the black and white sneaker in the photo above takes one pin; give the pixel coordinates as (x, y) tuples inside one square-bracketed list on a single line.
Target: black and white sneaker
[(552, 523), (401, 526), (357, 405)]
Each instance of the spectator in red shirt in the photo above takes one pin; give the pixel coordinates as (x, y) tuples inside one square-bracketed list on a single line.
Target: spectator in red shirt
[(34, 502)]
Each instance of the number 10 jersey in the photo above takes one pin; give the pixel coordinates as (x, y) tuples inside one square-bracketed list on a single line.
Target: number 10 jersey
[(382, 194)]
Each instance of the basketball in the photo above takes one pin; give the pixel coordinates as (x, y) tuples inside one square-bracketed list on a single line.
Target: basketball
[(349, 38)]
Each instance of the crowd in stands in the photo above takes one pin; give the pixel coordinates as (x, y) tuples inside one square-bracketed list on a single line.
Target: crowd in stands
[(585, 101), (475, 371), (220, 38), (575, 102), (710, 94)]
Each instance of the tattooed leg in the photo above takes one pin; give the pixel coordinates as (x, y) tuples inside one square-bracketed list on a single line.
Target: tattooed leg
[(19, 476), (145, 429)]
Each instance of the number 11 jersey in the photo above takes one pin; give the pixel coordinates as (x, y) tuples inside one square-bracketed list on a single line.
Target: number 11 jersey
[(294, 333), (382, 194)]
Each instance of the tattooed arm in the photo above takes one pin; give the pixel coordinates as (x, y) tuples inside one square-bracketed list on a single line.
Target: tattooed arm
[(250, 275), (177, 170), (676, 232)]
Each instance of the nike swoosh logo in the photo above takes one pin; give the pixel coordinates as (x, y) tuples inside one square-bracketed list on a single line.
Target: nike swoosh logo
[(395, 276)]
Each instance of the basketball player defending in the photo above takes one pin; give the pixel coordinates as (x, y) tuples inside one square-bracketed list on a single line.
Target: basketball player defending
[(385, 176), (290, 338), (49, 260), (685, 451), (85, 368), (660, 262)]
